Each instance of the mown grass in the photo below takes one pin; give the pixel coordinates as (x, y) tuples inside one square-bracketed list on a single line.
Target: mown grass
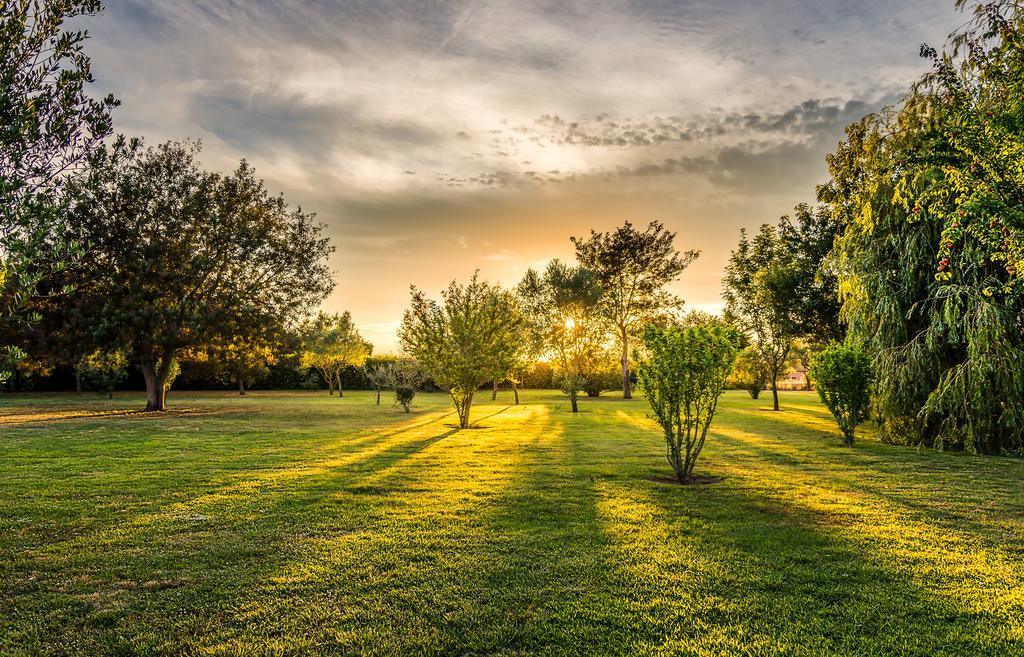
[(301, 524)]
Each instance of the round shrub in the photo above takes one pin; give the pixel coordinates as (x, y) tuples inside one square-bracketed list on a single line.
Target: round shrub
[(843, 376)]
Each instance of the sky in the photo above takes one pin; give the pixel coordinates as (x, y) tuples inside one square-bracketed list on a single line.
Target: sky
[(435, 138)]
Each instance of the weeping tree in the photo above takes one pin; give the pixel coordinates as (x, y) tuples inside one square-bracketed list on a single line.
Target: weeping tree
[(931, 201), (465, 340)]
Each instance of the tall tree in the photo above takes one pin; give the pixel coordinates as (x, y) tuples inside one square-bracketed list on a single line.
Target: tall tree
[(179, 257), (462, 342), (760, 288), (563, 316), (48, 126), (809, 236), (633, 268)]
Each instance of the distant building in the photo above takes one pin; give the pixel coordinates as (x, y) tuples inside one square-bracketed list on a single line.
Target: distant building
[(795, 379)]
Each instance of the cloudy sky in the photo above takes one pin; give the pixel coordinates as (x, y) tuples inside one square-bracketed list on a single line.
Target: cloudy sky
[(437, 137)]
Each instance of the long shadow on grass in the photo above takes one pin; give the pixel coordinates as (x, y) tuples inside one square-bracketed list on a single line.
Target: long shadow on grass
[(546, 585), (952, 511), (343, 453), (722, 571), (385, 564), (922, 487), (192, 558), (761, 563)]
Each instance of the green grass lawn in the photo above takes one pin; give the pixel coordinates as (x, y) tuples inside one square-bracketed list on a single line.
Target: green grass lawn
[(299, 524)]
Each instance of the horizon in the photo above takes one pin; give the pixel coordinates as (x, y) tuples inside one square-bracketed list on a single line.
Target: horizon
[(482, 135)]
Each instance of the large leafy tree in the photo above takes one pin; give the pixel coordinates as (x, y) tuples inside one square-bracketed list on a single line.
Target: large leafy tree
[(633, 267), (238, 361), (48, 126), (808, 235), (931, 203), (563, 317), (761, 292), (179, 257), (465, 340)]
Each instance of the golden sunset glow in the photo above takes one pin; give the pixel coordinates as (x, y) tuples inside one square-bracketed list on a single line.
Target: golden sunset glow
[(482, 135)]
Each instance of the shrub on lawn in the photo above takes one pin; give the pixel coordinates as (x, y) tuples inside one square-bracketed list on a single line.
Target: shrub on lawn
[(404, 396), (103, 370), (749, 373), (407, 377), (602, 379), (683, 376), (843, 376)]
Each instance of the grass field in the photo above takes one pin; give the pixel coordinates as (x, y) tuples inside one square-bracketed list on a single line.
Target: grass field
[(301, 524)]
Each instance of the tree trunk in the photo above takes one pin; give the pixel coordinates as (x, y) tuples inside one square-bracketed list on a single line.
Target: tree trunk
[(110, 394), (572, 400), (494, 390), (626, 392), (464, 414), (341, 393), (775, 390), (78, 379), (378, 396), (515, 391), (155, 394), (241, 387)]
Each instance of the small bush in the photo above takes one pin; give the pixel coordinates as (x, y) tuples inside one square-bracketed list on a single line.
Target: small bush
[(103, 370), (749, 373), (843, 376), (404, 395), (683, 377), (602, 379)]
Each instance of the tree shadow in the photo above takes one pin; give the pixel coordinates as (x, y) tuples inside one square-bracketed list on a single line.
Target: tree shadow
[(718, 570), (918, 490), (110, 585), (404, 555)]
